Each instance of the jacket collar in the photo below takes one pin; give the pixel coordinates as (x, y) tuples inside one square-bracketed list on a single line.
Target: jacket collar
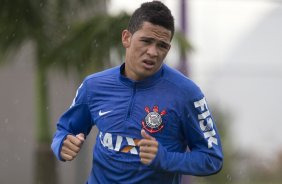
[(146, 83)]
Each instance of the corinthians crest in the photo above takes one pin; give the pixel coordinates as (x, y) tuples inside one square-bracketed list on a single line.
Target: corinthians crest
[(153, 121)]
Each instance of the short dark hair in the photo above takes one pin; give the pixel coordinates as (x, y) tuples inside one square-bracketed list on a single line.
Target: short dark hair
[(154, 12)]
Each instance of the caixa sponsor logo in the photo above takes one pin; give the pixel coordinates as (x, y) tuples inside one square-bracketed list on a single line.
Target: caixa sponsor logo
[(206, 122), (119, 143)]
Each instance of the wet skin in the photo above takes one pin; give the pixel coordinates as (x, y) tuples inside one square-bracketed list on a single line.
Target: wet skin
[(145, 50)]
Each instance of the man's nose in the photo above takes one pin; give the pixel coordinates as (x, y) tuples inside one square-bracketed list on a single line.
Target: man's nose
[(152, 51)]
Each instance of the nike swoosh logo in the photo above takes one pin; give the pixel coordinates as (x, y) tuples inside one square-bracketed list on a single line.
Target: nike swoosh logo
[(103, 113)]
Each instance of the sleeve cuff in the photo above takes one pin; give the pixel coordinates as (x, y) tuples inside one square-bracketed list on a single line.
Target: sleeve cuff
[(158, 160), (57, 144)]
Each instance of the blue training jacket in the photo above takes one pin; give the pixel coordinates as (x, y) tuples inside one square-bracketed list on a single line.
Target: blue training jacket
[(169, 106)]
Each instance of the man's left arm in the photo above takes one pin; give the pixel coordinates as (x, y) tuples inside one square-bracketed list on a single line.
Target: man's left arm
[(205, 156)]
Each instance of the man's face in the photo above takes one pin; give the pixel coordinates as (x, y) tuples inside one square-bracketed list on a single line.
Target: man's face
[(145, 50)]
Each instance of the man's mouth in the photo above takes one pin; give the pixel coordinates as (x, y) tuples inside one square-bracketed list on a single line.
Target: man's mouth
[(148, 64)]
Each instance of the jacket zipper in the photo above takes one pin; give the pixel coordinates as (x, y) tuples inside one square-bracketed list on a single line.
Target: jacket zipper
[(131, 102)]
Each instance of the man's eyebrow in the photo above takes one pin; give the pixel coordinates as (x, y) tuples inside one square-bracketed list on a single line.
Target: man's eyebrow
[(147, 38), (150, 38)]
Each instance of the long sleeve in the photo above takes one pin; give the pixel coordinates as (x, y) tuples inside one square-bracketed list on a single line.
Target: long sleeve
[(77, 119), (205, 156)]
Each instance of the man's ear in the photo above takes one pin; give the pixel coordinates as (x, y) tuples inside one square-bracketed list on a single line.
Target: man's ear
[(126, 37)]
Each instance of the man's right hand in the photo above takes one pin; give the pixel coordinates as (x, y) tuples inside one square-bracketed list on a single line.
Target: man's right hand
[(71, 146)]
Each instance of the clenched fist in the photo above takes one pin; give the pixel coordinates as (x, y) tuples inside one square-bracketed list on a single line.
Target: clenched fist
[(71, 146), (148, 148)]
